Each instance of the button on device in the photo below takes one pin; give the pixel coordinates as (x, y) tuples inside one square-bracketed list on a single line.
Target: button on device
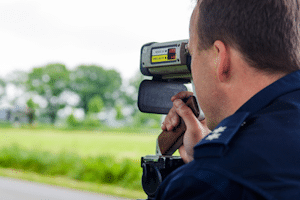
[(172, 54)]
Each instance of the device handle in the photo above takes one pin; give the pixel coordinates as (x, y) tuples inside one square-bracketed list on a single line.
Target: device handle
[(170, 141)]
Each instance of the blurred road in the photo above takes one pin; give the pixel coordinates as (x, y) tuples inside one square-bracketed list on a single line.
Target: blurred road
[(13, 189)]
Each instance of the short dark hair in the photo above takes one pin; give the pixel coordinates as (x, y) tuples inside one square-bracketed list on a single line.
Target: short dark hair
[(266, 32)]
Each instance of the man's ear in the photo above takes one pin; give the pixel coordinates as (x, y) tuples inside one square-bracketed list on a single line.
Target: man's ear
[(222, 61)]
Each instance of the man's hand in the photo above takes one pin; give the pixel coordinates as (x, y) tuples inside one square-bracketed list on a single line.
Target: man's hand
[(195, 130)]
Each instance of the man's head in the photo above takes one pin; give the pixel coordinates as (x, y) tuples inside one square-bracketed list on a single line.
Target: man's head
[(239, 47), (266, 32)]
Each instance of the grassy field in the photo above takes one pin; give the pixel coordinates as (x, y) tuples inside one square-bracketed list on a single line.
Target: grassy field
[(83, 143), (86, 144)]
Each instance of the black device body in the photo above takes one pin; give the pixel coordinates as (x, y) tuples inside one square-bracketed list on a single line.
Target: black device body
[(155, 170), (169, 66)]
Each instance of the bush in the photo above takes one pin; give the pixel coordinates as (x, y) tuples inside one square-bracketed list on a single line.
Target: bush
[(95, 105), (147, 120), (101, 169), (91, 121), (72, 121), (5, 124)]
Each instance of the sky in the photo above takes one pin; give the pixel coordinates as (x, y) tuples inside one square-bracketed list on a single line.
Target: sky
[(34, 33)]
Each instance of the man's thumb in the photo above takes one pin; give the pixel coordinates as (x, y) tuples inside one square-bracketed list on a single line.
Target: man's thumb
[(185, 113)]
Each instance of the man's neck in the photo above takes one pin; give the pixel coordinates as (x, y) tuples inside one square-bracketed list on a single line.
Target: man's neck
[(248, 85)]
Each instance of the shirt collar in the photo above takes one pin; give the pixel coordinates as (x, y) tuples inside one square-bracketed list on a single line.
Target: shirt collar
[(215, 143), (286, 84)]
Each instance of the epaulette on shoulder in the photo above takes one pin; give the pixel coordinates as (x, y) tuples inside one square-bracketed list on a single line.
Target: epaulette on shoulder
[(216, 142)]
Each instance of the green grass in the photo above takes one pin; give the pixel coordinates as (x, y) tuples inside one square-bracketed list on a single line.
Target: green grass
[(84, 143), (84, 157), (102, 170)]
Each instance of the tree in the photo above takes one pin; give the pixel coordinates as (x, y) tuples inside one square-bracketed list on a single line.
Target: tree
[(72, 121), (89, 81), (130, 93), (13, 87), (147, 120), (130, 96), (31, 108), (119, 115), (49, 82), (2, 88), (95, 105)]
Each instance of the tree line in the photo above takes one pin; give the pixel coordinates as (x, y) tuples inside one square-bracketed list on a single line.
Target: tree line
[(49, 89)]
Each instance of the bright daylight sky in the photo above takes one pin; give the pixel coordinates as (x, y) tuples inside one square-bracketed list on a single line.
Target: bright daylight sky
[(108, 33)]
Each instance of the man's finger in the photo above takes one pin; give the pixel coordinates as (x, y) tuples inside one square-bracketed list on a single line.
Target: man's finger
[(171, 121), (163, 126), (181, 95), (186, 114)]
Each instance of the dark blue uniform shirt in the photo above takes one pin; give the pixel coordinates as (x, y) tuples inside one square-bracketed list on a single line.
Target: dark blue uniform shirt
[(252, 154)]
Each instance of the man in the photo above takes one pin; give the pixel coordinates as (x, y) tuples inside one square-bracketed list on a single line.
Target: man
[(245, 68)]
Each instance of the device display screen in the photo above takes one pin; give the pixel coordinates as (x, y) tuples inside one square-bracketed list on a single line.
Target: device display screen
[(163, 54)]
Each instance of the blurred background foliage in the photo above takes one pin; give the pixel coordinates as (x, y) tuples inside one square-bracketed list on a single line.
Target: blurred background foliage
[(88, 96), (52, 101)]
